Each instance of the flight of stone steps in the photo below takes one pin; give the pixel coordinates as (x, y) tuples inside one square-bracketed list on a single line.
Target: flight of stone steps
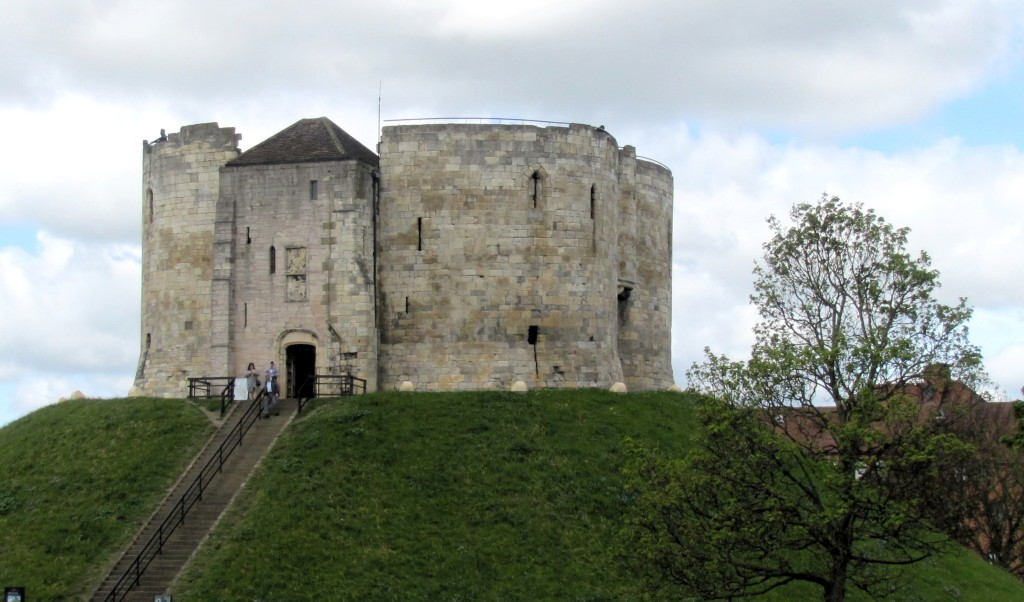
[(216, 498)]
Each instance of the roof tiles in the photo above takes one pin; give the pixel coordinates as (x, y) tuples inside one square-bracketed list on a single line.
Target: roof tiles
[(307, 141)]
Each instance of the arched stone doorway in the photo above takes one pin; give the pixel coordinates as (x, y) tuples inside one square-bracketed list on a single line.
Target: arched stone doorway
[(300, 364)]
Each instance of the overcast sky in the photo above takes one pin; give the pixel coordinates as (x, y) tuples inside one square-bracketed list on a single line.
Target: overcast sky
[(914, 108)]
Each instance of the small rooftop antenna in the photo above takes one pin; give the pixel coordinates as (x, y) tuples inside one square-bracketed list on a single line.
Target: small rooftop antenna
[(380, 88)]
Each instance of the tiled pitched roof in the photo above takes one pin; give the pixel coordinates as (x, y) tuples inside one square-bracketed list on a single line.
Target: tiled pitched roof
[(992, 419), (306, 141)]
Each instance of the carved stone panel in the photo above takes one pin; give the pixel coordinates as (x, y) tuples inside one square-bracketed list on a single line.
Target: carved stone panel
[(296, 288)]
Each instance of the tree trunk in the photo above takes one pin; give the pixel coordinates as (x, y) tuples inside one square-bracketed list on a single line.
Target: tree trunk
[(835, 591)]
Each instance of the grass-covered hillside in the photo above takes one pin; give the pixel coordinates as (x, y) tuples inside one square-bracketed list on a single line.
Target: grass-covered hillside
[(475, 496), (78, 478), (490, 496)]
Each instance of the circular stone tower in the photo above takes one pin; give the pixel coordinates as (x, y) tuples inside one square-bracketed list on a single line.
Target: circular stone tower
[(502, 257), (180, 186)]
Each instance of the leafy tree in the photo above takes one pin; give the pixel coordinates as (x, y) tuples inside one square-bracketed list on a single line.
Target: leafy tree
[(815, 464), (1016, 440), (982, 502)]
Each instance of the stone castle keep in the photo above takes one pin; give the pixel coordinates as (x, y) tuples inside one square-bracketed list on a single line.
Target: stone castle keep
[(465, 256)]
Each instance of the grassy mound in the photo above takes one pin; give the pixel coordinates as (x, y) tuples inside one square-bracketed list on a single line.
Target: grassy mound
[(475, 496), (438, 497), (487, 496), (76, 481)]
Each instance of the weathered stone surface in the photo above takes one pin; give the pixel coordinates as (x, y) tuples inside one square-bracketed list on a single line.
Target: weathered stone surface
[(618, 388), (471, 257), (179, 195)]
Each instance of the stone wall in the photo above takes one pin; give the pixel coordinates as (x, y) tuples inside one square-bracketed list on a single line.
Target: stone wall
[(499, 248), (645, 317), (478, 256), (179, 194), (320, 289)]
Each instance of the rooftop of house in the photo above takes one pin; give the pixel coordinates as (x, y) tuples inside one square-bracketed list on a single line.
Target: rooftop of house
[(935, 396)]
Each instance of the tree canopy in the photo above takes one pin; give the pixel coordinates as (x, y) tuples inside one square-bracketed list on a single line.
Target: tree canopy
[(816, 453)]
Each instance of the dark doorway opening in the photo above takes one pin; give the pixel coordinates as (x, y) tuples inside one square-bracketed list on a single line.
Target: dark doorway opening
[(300, 366)]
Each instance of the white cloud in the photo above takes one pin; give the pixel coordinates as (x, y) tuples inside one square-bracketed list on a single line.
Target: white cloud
[(1002, 329), (73, 308), (75, 168), (961, 203), (818, 67), (72, 316), (524, 19)]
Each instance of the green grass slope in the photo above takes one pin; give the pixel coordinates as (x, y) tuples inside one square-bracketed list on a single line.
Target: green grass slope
[(437, 497), (77, 479), (476, 496), (488, 496)]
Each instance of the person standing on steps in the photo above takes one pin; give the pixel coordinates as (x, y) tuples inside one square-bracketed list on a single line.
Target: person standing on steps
[(252, 381), (271, 397)]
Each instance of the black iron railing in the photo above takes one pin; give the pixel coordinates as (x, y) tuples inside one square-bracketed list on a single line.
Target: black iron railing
[(177, 514), (330, 385), (474, 120), (210, 387)]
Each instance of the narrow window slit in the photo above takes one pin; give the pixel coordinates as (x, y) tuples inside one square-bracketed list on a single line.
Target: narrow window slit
[(531, 338), (623, 298)]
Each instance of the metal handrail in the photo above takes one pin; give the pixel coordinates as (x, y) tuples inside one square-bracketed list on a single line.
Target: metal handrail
[(487, 120), (226, 397), (655, 161), (300, 400), (193, 494), (201, 387), (333, 385)]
